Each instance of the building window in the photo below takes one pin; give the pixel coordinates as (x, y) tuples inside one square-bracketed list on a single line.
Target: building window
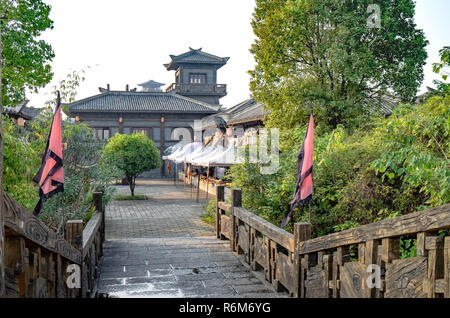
[(197, 78), (102, 133)]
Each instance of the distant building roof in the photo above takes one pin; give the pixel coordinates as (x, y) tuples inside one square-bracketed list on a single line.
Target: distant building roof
[(156, 102), (422, 97), (151, 84), (245, 112), (195, 57), (249, 112), (383, 105), (22, 110)]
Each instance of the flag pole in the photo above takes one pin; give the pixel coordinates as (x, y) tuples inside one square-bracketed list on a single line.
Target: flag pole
[(62, 196)]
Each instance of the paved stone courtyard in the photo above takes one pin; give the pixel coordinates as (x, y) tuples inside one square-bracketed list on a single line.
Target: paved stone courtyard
[(162, 248)]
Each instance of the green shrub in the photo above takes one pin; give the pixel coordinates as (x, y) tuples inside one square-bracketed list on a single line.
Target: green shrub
[(20, 163), (209, 216), (83, 173), (122, 197)]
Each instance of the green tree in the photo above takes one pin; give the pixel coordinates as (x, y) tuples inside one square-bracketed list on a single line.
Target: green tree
[(25, 57), (324, 54), (442, 68), (132, 155)]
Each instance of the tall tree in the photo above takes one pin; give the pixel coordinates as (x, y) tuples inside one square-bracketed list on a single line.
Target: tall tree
[(333, 55), (25, 58)]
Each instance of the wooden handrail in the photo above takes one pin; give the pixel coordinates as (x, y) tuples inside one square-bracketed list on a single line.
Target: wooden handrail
[(430, 220), (266, 228), (224, 206), (90, 231), (339, 264)]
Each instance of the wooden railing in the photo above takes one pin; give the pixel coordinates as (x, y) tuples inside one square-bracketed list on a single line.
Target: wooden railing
[(187, 88), (35, 259), (89, 241), (362, 262), (38, 263)]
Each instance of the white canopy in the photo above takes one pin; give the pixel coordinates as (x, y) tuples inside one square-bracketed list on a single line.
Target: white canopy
[(171, 150), (188, 149), (231, 155), (214, 152)]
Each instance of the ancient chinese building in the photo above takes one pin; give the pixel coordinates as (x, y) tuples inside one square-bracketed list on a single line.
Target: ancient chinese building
[(156, 113)]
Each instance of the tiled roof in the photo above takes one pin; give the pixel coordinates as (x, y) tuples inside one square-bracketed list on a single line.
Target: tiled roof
[(22, 110), (383, 105), (119, 101), (247, 111), (252, 111), (195, 56), (151, 83)]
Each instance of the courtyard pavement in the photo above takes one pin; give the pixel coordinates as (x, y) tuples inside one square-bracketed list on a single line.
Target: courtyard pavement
[(162, 248)]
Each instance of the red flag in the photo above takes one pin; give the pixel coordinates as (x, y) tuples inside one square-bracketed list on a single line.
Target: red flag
[(50, 176), (304, 188)]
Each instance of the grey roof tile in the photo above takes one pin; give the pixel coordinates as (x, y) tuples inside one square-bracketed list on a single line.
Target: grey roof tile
[(195, 56), (247, 111), (119, 101)]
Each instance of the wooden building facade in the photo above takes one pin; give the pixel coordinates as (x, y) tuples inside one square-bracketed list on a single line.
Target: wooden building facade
[(156, 113)]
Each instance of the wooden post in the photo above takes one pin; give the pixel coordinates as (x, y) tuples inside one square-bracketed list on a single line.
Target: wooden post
[(198, 186), (220, 197), (421, 237), (302, 232), (447, 267), (98, 203), (74, 233), (435, 247), (162, 140), (371, 252), (207, 184), (236, 201)]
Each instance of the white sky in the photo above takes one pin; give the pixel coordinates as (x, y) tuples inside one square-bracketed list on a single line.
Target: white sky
[(126, 42)]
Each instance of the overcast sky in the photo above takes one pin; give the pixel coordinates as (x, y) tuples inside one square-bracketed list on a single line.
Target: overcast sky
[(127, 42)]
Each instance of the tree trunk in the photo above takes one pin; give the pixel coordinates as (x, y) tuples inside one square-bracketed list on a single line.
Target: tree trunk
[(132, 183), (2, 272)]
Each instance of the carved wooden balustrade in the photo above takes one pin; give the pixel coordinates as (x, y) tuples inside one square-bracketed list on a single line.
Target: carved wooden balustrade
[(38, 263), (364, 262)]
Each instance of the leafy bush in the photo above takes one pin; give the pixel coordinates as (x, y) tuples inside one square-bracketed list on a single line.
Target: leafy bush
[(209, 216), (20, 163), (417, 150), (122, 197), (83, 173)]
